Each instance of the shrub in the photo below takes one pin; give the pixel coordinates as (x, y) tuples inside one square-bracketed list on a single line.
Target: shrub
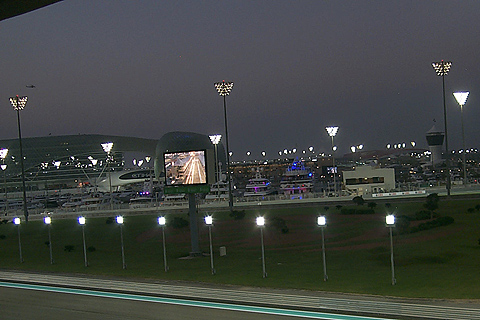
[(69, 248), (47, 243), (179, 223), (237, 214), (2, 236), (338, 206), (477, 207), (372, 205), (326, 208), (442, 221), (470, 210), (91, 249), (109, 220), (358, 200), (423, 215), (388, 205)]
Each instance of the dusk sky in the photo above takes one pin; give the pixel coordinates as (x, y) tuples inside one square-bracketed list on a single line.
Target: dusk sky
[(145, 68)]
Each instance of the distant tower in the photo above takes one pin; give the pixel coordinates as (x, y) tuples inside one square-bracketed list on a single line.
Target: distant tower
[(435, 142)]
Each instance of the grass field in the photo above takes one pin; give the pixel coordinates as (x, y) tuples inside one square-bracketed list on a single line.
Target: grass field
[(439, 263)]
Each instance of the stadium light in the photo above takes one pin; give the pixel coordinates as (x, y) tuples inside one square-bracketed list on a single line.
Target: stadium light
[(19, 103), (441, 69), (461, 98), (224, 88), (332, 132)]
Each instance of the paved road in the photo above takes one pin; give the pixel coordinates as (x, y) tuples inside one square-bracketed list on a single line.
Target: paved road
[(16, 304), (43, 302), (299, 303)]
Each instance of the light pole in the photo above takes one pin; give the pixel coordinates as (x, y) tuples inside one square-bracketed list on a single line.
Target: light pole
[(119, 220), (461, 98), (332, 131), (224, 89), (390, 221), (107, 147), (3, 155), (322, 223), (209, 223), (48, 222), (442, 68), (82, 221), (162, 222), (18, 103), (215, 138), (261, 224), (17, 221)]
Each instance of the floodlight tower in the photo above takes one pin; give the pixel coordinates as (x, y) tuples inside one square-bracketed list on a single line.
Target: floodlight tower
[(18, 103), (442, 68), (107, 148), (332, 132), (3, 155), (461, 98), (215, 138), (224, 89)]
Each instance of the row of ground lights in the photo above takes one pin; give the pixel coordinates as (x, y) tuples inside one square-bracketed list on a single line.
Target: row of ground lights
[(260, 221)]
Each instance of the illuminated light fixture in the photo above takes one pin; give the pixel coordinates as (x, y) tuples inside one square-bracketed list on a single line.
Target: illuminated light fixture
[(390, 220), (353, 148), (264, 153), (208, 220), (107, 147), (119, 219), (161, 221), (16, 221), (57, 164), (310, 149), (388, 146), (332, 131), (321, 221), (224, 88), (215, 138), (413, 143), (18, 103), (148, 158), (260, 221), (81, 221), (47, 220), (248, 153), (461, 98), (442, 67), (3, 153)]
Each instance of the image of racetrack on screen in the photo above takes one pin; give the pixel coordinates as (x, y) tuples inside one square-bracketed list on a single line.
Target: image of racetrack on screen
[(185, 168)]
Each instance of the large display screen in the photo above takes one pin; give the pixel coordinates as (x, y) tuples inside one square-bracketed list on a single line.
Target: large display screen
[(185, 168)]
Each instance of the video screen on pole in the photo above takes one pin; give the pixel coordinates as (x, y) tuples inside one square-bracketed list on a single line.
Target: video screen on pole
[(185, 168)]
